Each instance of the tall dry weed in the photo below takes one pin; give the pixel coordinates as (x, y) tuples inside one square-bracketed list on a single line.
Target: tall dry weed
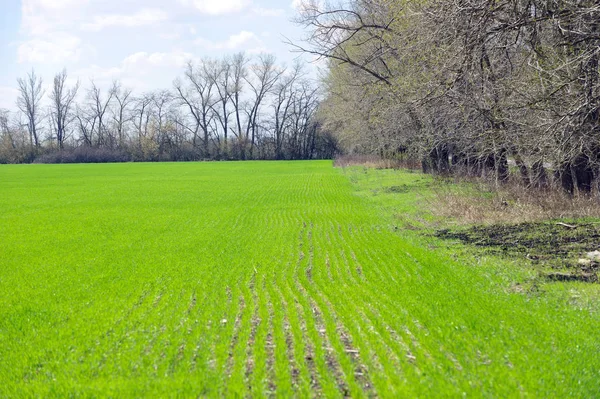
[(483, 202), (376, 162)]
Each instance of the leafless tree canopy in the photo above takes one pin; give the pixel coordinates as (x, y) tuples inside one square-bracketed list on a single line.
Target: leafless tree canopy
[(236, 107), (28, 102), (61, 99), (465, 85)]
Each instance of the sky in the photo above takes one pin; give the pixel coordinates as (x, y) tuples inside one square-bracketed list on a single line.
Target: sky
[(143, 43)]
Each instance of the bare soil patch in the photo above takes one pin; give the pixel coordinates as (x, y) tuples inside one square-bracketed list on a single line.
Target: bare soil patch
[(556, 247)]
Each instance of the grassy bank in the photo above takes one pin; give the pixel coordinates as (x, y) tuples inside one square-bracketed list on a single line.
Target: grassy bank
[(229, 279)]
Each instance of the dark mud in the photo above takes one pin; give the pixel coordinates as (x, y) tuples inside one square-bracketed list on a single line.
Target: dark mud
[(555, 247)]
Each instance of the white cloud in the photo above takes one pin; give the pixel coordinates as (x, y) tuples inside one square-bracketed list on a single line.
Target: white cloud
[(47, 31), (239, 40), (258, 50), (160, 38), (99, 74), (58, 4), (140, 71), (42, 17), (61, 48), (268, 12), (8, 97), (301, 4), (143, 17), (143, 59), (169, 35), (218, 7)]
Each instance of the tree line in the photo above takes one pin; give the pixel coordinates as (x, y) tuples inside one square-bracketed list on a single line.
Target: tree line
[(478, 87), (236, 107)]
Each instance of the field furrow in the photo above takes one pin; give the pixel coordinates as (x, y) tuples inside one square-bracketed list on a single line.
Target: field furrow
[(258, 280)]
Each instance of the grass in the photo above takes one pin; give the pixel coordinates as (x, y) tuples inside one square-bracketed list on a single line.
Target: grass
[(261, 279), (477, 201)]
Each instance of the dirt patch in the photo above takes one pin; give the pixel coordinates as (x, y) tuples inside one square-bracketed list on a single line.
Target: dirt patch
[(360, 370), (311, 251), (309, 354), (359, 269), (551, 245), (236, 335), (270, 349), (332, 362), (289, 341), (586, 277), (192, 303), (255, 322)]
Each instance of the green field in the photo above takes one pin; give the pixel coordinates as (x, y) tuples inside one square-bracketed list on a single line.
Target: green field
[(262, 279)]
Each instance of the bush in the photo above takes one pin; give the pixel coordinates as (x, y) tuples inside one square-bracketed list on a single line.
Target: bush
[(84, 155)]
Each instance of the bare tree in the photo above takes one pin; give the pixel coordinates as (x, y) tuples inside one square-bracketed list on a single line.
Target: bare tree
[(232, 108), (98, 105), (30, 96), (264, 76), (186, 99), (464, 85), (6, 136), (198, 98), (201, 82), (239, 66), (284, 93), (222, 75), (15, 146), (337, 29), (121, 114), (141, 114), (62, 99), (162, 100)]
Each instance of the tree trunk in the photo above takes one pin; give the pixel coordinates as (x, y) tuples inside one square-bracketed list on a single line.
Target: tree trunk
[(501, 164), (540, 177), (523, 170)]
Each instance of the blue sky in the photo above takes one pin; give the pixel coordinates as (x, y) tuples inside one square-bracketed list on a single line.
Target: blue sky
[(143, 43)]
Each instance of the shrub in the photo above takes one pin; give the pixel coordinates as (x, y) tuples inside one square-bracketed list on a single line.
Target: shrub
[(84, 155)]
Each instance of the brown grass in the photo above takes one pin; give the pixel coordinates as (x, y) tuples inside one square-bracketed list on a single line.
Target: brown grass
[(478, 200), (483, 202), (376, 162)]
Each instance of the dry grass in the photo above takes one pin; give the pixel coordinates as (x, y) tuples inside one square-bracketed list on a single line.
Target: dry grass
[(376, 162), (483, 202), (477, 200)]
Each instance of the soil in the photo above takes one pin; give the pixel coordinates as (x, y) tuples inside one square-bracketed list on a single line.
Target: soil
[(552, 245)]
